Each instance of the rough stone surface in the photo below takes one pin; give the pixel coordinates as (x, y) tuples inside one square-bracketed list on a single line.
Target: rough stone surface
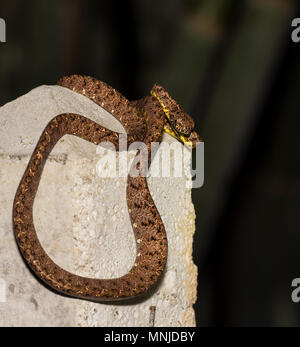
[(83, 223)]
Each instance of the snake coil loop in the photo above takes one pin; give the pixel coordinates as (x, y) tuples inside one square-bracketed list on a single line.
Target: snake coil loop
[(144, 120)]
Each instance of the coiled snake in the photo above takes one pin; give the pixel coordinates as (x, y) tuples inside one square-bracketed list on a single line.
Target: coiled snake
[(144, 120)]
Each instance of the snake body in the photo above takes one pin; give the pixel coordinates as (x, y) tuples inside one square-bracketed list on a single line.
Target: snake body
[(144, 120)]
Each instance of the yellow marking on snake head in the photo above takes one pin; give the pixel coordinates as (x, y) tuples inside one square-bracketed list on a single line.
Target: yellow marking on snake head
[(179, 137), (173, 132)]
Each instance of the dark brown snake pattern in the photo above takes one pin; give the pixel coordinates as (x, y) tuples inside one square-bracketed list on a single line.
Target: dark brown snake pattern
[(143, 120)]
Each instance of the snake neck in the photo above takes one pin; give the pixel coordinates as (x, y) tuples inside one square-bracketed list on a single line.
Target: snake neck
[(154, 118)]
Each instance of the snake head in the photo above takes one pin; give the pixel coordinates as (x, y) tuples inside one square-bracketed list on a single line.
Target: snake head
[(179, 124)]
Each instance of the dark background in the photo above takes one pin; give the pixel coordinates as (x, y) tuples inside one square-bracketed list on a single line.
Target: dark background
[(233, 67)]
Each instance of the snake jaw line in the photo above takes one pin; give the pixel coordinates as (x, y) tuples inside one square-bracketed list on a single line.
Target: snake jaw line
[(181, 138)]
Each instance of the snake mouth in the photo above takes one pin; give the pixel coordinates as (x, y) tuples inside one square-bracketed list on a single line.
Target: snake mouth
[(190, 140)]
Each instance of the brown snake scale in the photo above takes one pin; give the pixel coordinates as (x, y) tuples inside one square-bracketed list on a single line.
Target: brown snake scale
[(143, 120)]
